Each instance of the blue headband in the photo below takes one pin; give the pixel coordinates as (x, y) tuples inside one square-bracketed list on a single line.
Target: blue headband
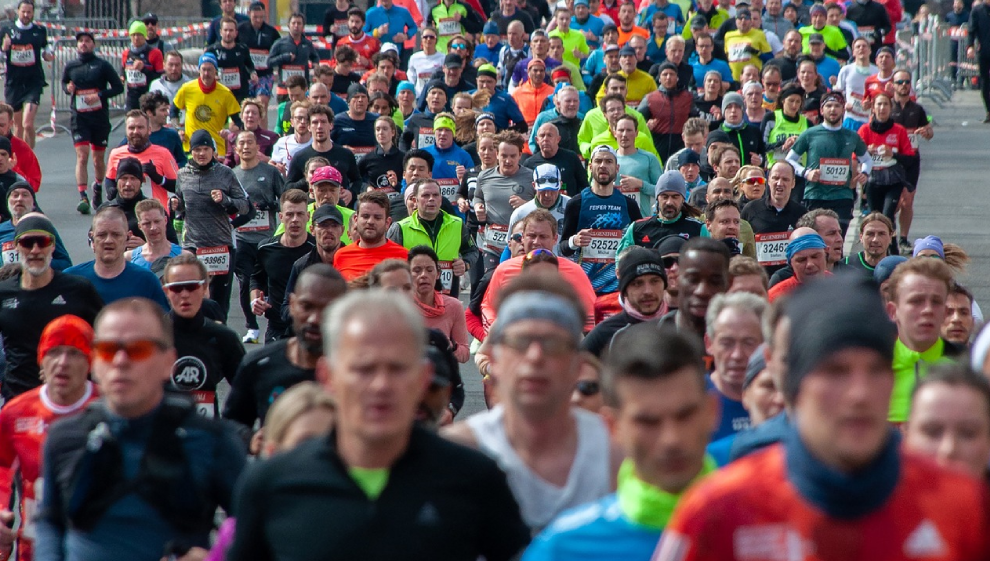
[(929, 242), (807, 241), (541, 306)]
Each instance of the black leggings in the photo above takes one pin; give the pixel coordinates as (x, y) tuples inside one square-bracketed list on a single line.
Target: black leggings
[(884, 198), (984, 65)]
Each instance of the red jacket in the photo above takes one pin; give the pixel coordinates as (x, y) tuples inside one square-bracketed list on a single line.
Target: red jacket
[(751, 511), (896, 138), (671, 110), (27, 163)]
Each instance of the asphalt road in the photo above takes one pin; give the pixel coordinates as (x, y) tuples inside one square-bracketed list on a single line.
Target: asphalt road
[(950, 201)]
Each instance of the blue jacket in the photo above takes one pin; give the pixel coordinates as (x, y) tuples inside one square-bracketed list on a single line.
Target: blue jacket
[(399, 20), (504, 108), (445, 161)]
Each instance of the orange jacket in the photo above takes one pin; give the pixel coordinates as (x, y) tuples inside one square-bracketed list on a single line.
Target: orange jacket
[(530, 99)]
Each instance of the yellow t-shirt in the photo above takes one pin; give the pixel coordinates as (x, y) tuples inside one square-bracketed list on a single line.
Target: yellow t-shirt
[(639, 84), (739, 50), (208, 111)]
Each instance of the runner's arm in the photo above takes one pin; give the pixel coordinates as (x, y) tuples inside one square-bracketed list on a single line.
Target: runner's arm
[(572, 214), (794, 159), (116, 87)]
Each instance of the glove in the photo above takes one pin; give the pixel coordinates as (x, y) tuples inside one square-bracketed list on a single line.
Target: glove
[(151, 171)]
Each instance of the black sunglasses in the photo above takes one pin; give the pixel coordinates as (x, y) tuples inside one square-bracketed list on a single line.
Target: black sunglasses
[(516, 238), (670, 261), (588, 388), (902, 82)]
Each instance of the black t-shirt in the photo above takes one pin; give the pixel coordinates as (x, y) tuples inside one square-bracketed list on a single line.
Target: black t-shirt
[(335, 22), (24, 58), (24, 315), (261, 377), (207, 353), (573, 174), (235, 67), (274, 262), (338, 156)]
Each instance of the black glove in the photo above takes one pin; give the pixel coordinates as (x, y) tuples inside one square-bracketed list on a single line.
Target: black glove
[(151, 171)]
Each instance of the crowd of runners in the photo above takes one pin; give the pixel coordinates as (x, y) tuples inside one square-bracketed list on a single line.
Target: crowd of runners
[(630, 215)]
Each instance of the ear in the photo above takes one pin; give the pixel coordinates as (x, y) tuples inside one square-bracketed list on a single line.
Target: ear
[(892, 311), (708, 344), (611, 417)]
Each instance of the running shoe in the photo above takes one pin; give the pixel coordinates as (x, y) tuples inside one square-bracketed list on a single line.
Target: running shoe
[(83, 207), (252, 337)]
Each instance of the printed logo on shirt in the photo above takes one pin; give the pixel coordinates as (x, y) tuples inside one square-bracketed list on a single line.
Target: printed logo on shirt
[(10, 303), (58, 300), (34, 425), (925, 541), (769, 541), (189, 373), (275, 392), (203, 113)]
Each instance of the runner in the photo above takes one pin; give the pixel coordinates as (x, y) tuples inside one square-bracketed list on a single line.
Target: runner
[(266, 372), (827, 148), (236, 70), (21, 201), (667, 110), (26, 161), (208, 105), (445, 233), (355, 129), (912, 116), (450, 161), (251, 112), (838, 369), (960, 325), (320, 125), (292, 55), (876, 234), (673, 216), (156, 161), (274, 259), (328, 231), (806, 251), (742, 135), (208, 193), (264, 186), (207, 351), (142, 64), (113, 276), (782, 127), (130, 174), (774, 216), (872, 23), (90, 82), (152, 220), (423, 63), (133, 356), (295, 86), (594, 221), (287, 146), (547, 474), (500, 190), (259, 38), (168, 84), (372, 247), (627, 523), (702, 273), (852, 83), (150, 21), (227, 10), (549, 150), (547, 183), (64, 354), (156, 106), (36, 296), (26, 46), (418, 131)]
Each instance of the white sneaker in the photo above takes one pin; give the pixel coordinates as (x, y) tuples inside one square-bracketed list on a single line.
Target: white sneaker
[(252, 337)]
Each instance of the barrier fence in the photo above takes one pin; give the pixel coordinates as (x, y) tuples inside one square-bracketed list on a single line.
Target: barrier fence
[(931, 55)]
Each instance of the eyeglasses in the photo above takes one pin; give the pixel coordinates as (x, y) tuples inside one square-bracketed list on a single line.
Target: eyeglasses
[(139, 349), (552, 346), (516, 238), (183, 286), (755, 180), (458, 46), (902, 82), (429, 37), (588, 388), (670, 261), (29, 242)]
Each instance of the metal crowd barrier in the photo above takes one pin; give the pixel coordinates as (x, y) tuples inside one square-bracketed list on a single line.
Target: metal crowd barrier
[(966, 71), (931, 59)]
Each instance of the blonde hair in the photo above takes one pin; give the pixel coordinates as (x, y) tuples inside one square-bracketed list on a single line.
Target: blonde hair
[(292, 404)]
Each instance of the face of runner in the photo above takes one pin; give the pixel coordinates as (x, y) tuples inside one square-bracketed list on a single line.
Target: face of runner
[(133, 368), (670, 204), (548, 139), (736, 335), (730, 164), (668, 79), (627, 13), (791, 105), (228, 33), (65, 369), (750, 73), (612, 61), (137, 132), (461, 106), (713, 85), (425, 275), (416, 168), (645, 294), (919, 310), (613, 110), (386, 67), (604, 168), (152, 225), (881, 108), (754, 98), (138, 40), (690, 172), (355, 26), (444, 138), (675, 52), (384, 133), (257, 18), (538, 235), (296, 26), (588, 390), (227, 7), (517, 36), (702, 275), (128, 187), (958, 325), (436, 98), (841, 408), (808, 75), (247, 146), (25, 13), (808, 263), (294, 216), (616, 87), (399, 280), (4, 161), (625, 134), (202, 155), (372, 223), (328, 235), (187, 291), (876, 240), (664, 425), (297, 93), (781, 183), (951, 424), (627, 63), (828, 228), (744, 24), (725, 223), (36, 260), (319, 94), (536, 365), (752, 284), (109, 239), (818, 20), (563, 19), (733, 114), (487, 152), (4, 124), (537, 73), (85, 45), (762, 399), (320, 125), (300, 121), (208, 74), (19, 202), (310, 298), (325, 193), (428, 201), (160, 116), (754, 185), (556, 48), (508, 158)]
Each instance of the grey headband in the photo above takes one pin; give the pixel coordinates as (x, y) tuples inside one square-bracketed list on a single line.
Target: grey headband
[(541, 306)]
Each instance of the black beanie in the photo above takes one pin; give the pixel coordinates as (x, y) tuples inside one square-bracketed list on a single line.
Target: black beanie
[(831, 314), (639, 261), (202, 137), (130, 166), (5, 145)]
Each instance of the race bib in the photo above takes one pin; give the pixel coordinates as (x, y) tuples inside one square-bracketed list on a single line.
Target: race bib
[(231, 77), (292, 70), (204, 403), (834, 171), (868, 32), (604, 244), (360, 151), (448, 189), (671, 26), (739, 52), (496, 237), (82, 106), (449, 26), (857, 106), (22, 55), (10, 254), (771, 248), (340, 28), (879, 162), (631, 192), (447, 275), (259, 58), (135, 77), (915, 140), (425, 138), (259, 223), (216, 259)]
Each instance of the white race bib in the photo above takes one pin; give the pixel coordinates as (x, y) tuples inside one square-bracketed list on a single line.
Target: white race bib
[(22, 55), (449, 26), (631, 192), (915, 140), (135, 77), (204, 403), (259, 223), (10, 254), (671, 26), (292, 70), (82, 106), (216, 259), (857, 106), (447, 275), (879, 162), (360, 151), (771, 248), (739, 52), (834, 171), (425, 138), (448, 189), (259, 58), (604, 244), (496, 237), (231, 77)]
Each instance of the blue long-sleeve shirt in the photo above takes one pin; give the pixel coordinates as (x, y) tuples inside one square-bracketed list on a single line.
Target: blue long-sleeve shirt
[(399, 20), (504, 108)]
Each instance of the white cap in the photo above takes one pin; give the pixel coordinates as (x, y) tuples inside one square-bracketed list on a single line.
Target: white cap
[(547, 177)]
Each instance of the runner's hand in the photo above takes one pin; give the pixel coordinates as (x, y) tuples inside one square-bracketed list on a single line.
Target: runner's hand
[(460, 171), (813, 175), (259, 305), (860, 179), (582, 238), (137, 65), (480, 212), (458, 267), (217, 196), (789, 142), (133, 242), (345, 197), (7, 534), (515, 201), (71, 88), (756, 159), (91, 99), (630, 182)]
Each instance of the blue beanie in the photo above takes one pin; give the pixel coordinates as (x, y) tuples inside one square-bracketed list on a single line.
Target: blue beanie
[(491, 28), (929, 242), (208, 58)]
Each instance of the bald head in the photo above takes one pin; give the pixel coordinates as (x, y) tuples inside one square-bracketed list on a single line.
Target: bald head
[(548, 139), (319, 94), (797, 233)]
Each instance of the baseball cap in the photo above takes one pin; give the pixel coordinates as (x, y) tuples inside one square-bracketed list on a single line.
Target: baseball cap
[(604, 148), (390, 48), (535, 62), (669, 245), (453, 60), (327, 212), (85, 33), (581, 3), (150, 17), (488, 70), (743, 13), (547, 177), (327, 174), (816, 38), (611, 47), (627, 51), (698, 22)]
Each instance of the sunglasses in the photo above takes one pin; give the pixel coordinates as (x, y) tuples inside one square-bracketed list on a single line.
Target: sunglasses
[(516, 238), (902, 82), (546, 181), (588, 388), (755, 180), (139, 349), (29, 242), (183, 286), (429, 37), (540, 255), (771, 84), (459, 46), (670, 261)]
